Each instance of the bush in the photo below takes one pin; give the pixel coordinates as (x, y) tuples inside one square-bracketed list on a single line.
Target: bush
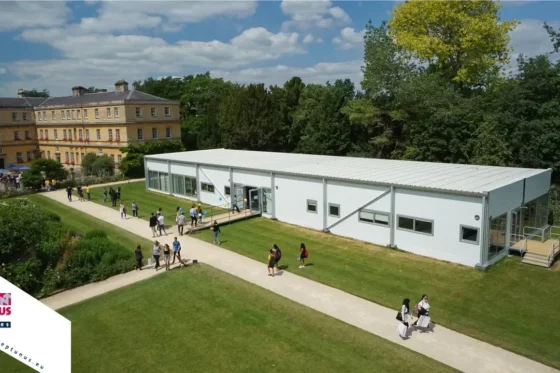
[(51, 168), (32, 179), (96, 233)]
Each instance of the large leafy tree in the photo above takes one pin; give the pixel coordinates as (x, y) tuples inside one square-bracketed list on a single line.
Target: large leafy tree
[(465, 40), (132, 164), (35, 93)]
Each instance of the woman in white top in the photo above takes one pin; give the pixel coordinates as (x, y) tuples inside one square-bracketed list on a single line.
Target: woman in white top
[(402, 316), (423, 309)]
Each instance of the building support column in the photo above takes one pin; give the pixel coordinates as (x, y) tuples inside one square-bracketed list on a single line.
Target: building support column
[(169, 179), (198, 183), (508, 231), (273, 194), (393, 220), (485, 230), (325, 205), (231, 188), (147, 175)]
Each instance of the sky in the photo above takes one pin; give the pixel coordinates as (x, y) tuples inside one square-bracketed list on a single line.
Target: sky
[(57, 45)]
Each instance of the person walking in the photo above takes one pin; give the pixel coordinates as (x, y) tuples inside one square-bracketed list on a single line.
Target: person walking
[(139, 257), (80, 193), (166, 256), (271, 262), (423, 310), (88, 193), (303, 254), (180, 222), (104, 195), (53, 184), (153, 224), (402, 316), (69, 193), (278, 254), (159, 212), (192, 213), (177, 252), (161, 224), (134, 209), (123, 210), (113, 197), (47, 185), (199, 213), (216, 230), (156, 252)]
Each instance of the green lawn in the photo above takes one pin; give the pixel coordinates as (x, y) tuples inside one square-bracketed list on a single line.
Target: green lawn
[(200, 319), (82, 222), (503, 306), (149, 202)]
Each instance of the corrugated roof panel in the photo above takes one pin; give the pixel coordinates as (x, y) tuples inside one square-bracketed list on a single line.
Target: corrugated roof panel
[(436, 176)]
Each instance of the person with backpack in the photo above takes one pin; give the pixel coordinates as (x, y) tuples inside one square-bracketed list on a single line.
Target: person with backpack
[(423, 311), (271, 262), (277, 254), (402, 316), (303, 254), (153, 224)]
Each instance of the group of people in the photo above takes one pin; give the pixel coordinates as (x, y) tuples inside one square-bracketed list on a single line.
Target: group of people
[(157, 223), (156, 254), (421, 310), (275, 254), (11, 180), (80, 192), (114, 194)]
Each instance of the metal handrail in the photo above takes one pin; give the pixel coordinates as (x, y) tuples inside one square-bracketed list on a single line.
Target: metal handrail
[(533, 229), (553, 251), (522, 238), (554, 235)]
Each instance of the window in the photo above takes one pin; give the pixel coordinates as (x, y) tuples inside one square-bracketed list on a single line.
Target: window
[(53, 115), (158, 180), (46, 134), (64, 135), (311, 206), (66, 157), (227, 191), (154, 133), (80, 134), (79, 114), (39, 116), (57, 150), (48, 154), (73, 114), (140, 134), (63, 114), (108, 112), (77, 157), (154, 112), (56, 134), (29, 156), (119, 158), (416, 225), (98, 133), (167, 112), (16, 136), (118, 134), (183, 185), (19, 157), (70, 135), (113, 158), (68, 115), (87, 135), (96, 113), (207, 187), (27, 135), (44, 115), (14, 117), (168, 132), (110, 131), (24, 116), (83, 155), (469, 234), (72, 158), (100, 152), (138, 112), (116, 112), (374, 217), (334, 210), (41, 134)]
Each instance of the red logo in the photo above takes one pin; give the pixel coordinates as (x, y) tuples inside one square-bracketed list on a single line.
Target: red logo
[(5, 304)]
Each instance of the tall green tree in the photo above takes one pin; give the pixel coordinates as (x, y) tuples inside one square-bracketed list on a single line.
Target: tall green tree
[(35, 93)]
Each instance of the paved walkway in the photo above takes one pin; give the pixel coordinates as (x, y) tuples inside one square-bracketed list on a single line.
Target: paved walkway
[(451, 348)]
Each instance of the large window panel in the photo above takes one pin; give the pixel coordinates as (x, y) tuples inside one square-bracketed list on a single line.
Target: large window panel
[(374, 217), (417, 225)]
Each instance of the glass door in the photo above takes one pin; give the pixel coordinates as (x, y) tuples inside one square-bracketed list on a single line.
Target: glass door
[(239, 196), (255, 200), (516, 227)]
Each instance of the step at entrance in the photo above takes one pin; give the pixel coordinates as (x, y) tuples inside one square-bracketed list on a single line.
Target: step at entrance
[(535, 259)]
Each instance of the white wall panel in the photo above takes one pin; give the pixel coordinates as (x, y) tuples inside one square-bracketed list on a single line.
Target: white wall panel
[(219, 177), (537, 185), (505, 199), (183, 169), (157, 166), (250, 178), (291, 200)]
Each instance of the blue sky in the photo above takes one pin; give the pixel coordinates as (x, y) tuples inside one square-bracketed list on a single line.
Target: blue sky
[(57, 45)]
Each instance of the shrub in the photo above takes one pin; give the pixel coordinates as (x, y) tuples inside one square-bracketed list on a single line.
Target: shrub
[(32, 179)]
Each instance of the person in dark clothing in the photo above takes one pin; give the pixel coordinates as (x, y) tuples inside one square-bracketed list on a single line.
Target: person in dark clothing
[(139, 257), (114, 198), (234, 204), (153, 224), (278, 254), (216, 229), (69, 193), (119, 193)]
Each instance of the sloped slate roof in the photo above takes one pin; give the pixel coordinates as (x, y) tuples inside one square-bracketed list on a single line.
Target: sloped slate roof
[(102, 98), (20, 102), (462, 178)]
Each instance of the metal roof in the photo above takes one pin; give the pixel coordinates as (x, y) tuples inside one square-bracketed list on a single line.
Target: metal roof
[(462, 178)]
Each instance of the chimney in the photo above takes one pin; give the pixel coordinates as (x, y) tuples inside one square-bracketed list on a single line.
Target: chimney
[(78, 91), (121, 86), (20, 92)]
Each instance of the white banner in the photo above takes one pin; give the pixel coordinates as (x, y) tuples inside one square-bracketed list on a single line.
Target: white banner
[(33, 333)]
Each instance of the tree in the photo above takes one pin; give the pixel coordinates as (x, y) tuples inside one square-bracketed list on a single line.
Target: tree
[(51, 168), (465, 40), (92, 89), (103, 166), (87, 163), (35, 93), (132, 164)]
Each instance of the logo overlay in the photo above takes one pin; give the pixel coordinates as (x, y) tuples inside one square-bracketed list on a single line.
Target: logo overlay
[(33, 333)]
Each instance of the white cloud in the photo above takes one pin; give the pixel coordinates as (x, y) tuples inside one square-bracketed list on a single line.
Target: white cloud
[(308, 39), (310, 14), (3, 70), (530, 38), (349, 38), (319, 73), (21, 14), (169, 15)]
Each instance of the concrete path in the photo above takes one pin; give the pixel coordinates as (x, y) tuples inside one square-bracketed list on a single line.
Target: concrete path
[(446, 346)]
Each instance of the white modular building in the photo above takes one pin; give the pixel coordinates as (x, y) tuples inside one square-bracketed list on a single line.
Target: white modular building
[(467, 214)]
